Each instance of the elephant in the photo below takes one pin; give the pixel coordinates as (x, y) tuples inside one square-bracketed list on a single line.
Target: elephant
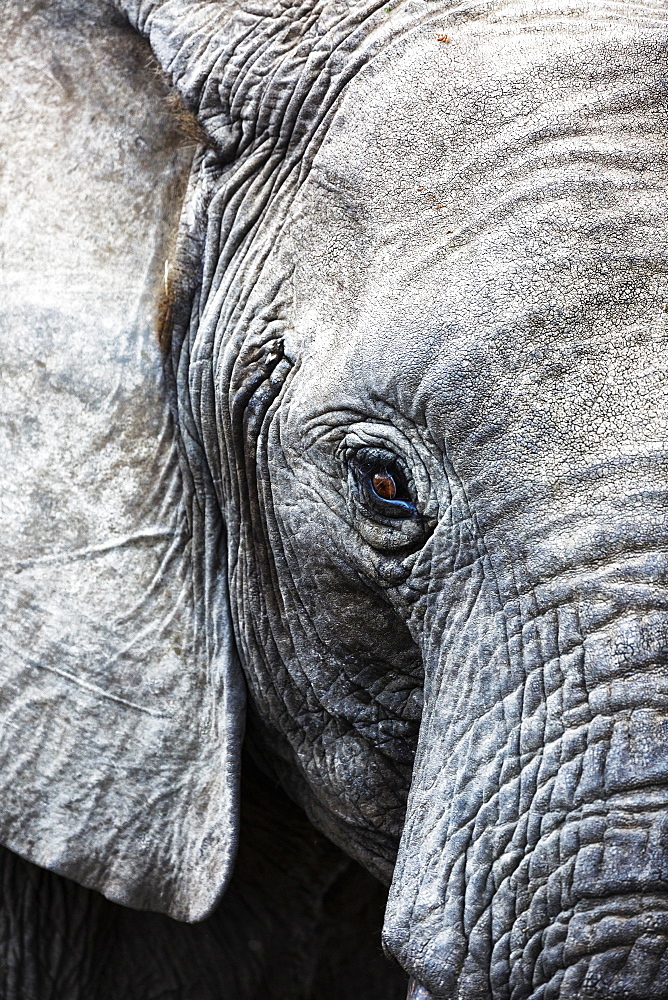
[(385, 525)]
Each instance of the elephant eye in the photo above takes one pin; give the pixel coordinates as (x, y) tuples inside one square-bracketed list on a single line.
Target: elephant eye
[(384, 489), (384, 485)]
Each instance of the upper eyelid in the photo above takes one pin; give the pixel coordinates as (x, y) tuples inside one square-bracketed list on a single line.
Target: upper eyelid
[(383, 458)]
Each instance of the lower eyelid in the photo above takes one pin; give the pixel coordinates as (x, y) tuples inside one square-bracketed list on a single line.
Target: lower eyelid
[(383, 507)]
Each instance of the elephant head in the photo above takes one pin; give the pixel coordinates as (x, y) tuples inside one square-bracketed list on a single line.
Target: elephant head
[(414, 338)]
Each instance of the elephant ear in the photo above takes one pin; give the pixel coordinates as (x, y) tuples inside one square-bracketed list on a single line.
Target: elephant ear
[(121, 700)]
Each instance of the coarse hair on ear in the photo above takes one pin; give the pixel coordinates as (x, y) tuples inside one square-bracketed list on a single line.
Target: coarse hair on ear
[(186, 39), (190, 131), (191, 40)]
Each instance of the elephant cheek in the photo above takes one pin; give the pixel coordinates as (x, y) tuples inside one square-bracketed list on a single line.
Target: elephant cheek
[(534, 858)]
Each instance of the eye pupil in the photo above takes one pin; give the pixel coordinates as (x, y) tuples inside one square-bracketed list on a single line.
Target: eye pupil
[(384, 485)]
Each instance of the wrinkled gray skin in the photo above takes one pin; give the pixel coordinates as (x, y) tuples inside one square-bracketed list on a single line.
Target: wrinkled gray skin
[(93, 167), (446, 259)]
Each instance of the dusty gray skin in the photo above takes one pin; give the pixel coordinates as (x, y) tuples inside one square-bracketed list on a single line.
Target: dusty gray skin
[(298, 920), (428, 240), (93, 599)]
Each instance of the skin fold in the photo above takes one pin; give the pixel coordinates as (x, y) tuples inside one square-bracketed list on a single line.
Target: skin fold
[(298, 920), (485, 315), (426, 241), (95, 158)]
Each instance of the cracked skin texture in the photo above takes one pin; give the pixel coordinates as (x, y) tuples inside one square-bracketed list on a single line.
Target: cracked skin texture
[(299, 920), (447, 258), (506, 347), (93, 170)]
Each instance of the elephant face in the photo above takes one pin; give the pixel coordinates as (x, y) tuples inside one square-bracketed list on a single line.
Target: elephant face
[(463, 474), (416, 372)]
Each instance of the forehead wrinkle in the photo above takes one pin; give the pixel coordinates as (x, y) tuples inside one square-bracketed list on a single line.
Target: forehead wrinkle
[(370, 306), (382, 147), (466, 107)]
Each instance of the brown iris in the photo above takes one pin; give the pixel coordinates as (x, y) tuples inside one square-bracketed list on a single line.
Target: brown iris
[(384, 485)]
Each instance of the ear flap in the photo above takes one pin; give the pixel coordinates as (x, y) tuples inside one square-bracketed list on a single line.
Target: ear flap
[(121, 699)]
